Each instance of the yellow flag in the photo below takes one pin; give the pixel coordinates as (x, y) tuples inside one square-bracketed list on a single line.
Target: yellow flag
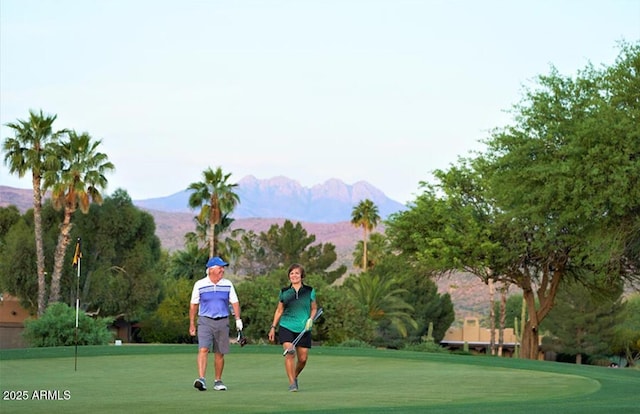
[(78, 254)]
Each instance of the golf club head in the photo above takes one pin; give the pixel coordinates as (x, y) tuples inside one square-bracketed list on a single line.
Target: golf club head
[(241, 339), (289, 351)]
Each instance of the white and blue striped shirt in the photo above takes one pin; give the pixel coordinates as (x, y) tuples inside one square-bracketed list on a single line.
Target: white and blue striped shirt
[(214, 299)]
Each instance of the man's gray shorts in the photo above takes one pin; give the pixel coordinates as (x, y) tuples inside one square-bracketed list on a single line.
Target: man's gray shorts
[(213, 333)]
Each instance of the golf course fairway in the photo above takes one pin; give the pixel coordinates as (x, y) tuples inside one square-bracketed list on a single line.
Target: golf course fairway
[(159, 379)]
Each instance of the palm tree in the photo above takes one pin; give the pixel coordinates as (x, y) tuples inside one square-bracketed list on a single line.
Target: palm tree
[(27, 151), (75, 184), (201, 233), (188, 263), (215, 198), (365, 215), (378, 246), (231, 249), (199, 236), (382, 301)]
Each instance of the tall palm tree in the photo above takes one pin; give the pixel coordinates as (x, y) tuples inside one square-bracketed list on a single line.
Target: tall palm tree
[(365, 215), (26, 151), (215, 198), (75, 184), (201, 233), (378, 246), (383, 301)]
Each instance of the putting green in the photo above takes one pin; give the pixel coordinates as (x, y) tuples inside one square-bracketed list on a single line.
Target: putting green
[(333, 381)]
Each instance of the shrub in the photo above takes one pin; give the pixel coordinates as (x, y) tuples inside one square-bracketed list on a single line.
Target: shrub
[(169, 324), (355, 343), (57, 327), (426, 346)]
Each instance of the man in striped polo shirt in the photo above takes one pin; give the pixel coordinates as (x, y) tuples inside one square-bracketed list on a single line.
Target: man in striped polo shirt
[(210, 301)]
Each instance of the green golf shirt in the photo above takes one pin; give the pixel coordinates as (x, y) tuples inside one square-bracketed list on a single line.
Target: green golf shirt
[(297, 307)]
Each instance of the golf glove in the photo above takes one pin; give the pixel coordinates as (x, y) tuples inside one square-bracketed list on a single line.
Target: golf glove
[(308, 325), (239, 325)]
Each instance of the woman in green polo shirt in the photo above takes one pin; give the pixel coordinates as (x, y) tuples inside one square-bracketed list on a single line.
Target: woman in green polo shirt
[(295, 312)]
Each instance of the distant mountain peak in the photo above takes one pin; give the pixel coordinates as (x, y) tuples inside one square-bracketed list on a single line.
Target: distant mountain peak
[(282, 197)]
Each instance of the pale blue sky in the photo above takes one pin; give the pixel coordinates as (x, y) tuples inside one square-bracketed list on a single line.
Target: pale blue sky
[(382, 91)]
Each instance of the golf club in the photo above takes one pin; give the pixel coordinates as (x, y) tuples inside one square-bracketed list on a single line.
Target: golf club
[(300, 335), (241, 339)]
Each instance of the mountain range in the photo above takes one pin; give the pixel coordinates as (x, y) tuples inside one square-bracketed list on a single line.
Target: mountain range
[(282, 197), (324, 210)]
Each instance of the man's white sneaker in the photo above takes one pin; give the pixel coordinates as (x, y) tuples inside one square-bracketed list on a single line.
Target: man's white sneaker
[(200, 384)]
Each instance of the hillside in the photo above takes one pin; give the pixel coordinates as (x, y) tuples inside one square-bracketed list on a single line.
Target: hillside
[(171, 228)]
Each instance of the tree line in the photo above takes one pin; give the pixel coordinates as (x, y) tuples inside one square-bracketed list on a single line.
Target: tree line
[(128, 276)]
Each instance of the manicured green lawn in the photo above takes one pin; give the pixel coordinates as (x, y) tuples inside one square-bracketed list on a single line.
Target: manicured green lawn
[(158, 379)]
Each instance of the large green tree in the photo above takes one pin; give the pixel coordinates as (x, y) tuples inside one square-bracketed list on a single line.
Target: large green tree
[(76, 182), (123, 263), (565, 178), (289, 243), (365, 216), (8, 217), (26, 152), (254, 259), (554, 197), (215, 197), (17, 267), (285, 243), (451, 226), (169, 323), (626, 340), (582, 322), (421, 293)]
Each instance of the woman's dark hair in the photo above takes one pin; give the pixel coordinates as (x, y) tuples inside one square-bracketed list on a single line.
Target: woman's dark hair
[(296, 266)]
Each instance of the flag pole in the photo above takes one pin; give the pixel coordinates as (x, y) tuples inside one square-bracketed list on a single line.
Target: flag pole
[(77, 257)]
